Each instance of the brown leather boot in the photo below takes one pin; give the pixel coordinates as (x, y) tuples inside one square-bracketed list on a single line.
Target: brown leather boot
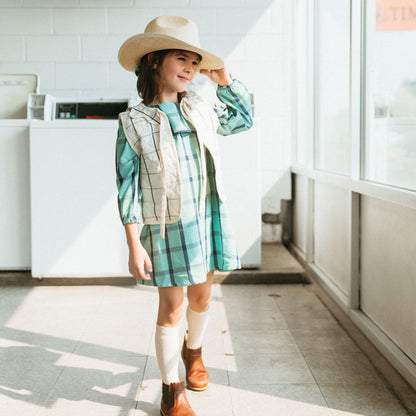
[(174, 401), (197, 377)]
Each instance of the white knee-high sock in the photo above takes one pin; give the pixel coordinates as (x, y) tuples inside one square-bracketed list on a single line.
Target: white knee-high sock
[(197, 325), (168, 348)]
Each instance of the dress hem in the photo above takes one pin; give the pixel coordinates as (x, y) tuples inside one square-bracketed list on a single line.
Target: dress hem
[(185, 283)]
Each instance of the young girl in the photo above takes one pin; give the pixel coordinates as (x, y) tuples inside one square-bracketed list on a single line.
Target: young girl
[(168, 177)]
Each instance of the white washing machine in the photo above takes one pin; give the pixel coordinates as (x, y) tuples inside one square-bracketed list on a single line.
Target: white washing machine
[(14, 195), (14, 170)]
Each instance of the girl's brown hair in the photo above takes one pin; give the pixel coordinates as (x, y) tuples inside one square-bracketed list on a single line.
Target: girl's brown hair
[(148, 79)]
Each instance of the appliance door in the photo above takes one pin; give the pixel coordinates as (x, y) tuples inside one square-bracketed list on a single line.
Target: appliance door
[(76, 230), (15, 195)]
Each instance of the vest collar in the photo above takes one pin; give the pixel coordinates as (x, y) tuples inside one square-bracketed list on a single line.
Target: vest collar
[(152, 114)]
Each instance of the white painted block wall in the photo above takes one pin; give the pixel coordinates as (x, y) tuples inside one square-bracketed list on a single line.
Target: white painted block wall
[(73, 45)]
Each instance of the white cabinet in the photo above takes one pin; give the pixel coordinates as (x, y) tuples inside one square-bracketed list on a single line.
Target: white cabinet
[(14, 195), (76, 230)]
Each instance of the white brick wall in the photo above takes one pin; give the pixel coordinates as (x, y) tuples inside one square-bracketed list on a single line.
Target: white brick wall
[(12, 48), (79, 20), (82, 75), (73, 44), (11, 3), (25, 21), (52, 48), (94, 49), (49, 3), (244, 20)]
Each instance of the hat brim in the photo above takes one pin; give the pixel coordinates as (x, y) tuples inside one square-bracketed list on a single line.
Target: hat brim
[(134, 48)]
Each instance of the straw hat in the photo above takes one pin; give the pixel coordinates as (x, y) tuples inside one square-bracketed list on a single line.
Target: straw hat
[(166, 32)]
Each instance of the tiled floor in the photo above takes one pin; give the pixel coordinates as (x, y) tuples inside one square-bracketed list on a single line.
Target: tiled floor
[(270, 350)]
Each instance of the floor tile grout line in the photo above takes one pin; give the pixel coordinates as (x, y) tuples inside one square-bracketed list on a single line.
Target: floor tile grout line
[(320, 295), (62, 370), (304, 359), (224, 351), (145, 368), (84, 331), (379, 373)]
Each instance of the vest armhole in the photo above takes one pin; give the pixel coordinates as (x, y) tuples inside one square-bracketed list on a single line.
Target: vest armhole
[(130, 133)]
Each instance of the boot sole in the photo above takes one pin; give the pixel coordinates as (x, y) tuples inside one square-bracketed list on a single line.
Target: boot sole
[(197, 388)]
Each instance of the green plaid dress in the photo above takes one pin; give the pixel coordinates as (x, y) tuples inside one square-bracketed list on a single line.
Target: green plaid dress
[(196, 243)]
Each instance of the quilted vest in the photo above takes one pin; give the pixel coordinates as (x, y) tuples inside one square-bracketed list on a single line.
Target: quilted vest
[(148, 132)]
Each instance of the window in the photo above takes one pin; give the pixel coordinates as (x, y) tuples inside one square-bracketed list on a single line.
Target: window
[(333, 86), (302, 69), (390, 87)]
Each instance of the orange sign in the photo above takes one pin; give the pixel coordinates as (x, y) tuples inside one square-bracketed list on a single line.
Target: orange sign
[(395, 14)]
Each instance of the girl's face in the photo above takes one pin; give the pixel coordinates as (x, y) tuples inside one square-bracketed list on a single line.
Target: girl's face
[(176, 72)]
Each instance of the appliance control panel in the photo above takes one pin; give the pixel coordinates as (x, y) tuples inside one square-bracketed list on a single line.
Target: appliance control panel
[(91, 109), (66, 110)]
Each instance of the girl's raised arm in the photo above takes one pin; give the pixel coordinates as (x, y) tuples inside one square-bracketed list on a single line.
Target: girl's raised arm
[(235, 116)]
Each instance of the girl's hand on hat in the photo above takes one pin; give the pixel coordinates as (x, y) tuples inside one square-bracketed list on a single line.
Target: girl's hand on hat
[(138, 258), (220, 76)]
